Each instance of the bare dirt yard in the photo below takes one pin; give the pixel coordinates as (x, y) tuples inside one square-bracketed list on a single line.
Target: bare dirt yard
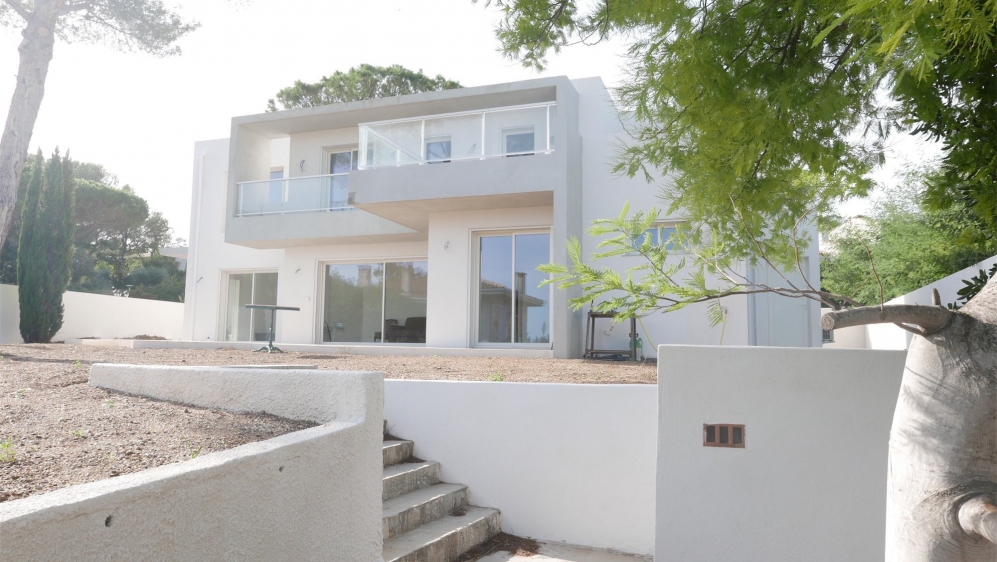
[(56, 430)]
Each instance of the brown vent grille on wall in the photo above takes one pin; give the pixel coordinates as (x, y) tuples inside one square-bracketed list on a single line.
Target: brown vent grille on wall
[(723, 435)]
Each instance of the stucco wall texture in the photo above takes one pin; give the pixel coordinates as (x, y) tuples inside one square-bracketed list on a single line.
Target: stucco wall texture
[(309, 495), (810, 483), (98, 316), (563, 462)]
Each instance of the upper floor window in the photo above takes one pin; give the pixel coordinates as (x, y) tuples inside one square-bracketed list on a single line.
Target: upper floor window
[(438, 150), (275, 191), (340, 164), (519, 142), (662, 233)]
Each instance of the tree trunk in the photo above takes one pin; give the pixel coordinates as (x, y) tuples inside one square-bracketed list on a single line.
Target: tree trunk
[(943, 445), (35, 55)]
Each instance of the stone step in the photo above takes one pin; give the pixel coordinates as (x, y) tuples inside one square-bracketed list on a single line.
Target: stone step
[(403, 478), (445, 539), (396, 451), (406, 512)]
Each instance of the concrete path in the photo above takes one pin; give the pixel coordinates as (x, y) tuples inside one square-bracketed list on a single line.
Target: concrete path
[(565, 553)]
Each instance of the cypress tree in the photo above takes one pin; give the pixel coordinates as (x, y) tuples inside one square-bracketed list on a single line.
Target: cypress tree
[(46, 248)]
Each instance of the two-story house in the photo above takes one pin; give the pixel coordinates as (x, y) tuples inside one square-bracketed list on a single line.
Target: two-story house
[(419, 221)]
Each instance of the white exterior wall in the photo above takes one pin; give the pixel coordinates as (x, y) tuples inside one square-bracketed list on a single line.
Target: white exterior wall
[(210, 258), (88, 315), (810, 483), (766, 318), (447, 245), (311, 148), (310, 495), (451, 267), (563, 462)]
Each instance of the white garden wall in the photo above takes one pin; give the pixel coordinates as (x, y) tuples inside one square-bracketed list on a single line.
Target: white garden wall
[(89, 315), (563, 462), (311, 495), (889, 336), (810, 483)]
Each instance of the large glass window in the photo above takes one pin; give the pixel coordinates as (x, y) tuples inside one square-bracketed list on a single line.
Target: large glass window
[(242, 324), (375, 303), (512, 307)]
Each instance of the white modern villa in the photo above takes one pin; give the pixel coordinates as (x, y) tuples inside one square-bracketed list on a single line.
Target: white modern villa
[(419, 221)]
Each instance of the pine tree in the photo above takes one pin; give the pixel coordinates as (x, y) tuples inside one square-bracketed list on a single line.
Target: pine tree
[(46, 248)]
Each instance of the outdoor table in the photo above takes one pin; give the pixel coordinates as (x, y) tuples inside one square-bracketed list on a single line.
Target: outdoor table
[(269, 347)]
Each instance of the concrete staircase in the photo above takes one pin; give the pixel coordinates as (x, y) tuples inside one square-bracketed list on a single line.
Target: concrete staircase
[(423, 519)]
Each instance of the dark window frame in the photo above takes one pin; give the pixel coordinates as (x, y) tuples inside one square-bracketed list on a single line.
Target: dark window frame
[(718, 429)]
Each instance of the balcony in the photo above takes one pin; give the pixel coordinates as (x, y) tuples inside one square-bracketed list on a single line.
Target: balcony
[(329, 192), (475, 135), (479, 160)]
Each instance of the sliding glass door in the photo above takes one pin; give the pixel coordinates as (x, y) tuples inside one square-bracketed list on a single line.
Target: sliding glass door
[(380, 302), (242, 324), (512, 307)]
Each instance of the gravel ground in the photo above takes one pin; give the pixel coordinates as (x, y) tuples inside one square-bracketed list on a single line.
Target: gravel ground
[(56, 430), (395, 367)]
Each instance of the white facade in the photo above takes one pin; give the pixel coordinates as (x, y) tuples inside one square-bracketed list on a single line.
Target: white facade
[(438, 215)]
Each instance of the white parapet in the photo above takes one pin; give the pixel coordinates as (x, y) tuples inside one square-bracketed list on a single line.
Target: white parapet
[(803, 479), (309, 495)]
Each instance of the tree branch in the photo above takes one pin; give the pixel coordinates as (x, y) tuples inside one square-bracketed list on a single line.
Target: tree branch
[(931, 319), (978, 517), (19, 8)]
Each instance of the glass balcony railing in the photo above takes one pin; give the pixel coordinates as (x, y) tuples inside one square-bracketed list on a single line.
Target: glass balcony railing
[(474, 135), (292, 195)]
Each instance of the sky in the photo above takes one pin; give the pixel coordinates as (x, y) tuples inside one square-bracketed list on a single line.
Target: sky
[(140, 115)]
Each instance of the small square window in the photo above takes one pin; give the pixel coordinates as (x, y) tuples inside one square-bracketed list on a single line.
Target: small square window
[(438, 150), (723, 435), (519, 142)]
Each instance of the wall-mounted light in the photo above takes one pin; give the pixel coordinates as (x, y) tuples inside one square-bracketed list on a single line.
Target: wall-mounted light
[(446, 245), (301, 166), (297, 270)]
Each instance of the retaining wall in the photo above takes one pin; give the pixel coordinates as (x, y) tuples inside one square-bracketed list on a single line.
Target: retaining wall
[(810, 482), (563, 462), (89, 315), (309, 495)]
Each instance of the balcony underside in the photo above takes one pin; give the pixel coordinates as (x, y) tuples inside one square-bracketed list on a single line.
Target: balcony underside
[(415, 213), (315, 228), (408, 194)]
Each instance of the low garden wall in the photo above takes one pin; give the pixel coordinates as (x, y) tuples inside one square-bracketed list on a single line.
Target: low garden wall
[(98, 316), (310, 495), (809, 483), (563, 462)]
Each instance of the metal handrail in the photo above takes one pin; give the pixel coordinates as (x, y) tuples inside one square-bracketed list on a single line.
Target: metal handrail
[(460, 113)]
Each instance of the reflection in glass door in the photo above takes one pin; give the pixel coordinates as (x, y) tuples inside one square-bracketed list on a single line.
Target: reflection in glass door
[(512, 307), (375, 302), (242, 324)]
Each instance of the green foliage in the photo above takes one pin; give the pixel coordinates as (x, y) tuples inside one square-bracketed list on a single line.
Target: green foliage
[(8, 454), (363, 82), (664, 279), (132, 25), (766, 111), (973, 286), (909, 246), (46, 247), (496, 377)]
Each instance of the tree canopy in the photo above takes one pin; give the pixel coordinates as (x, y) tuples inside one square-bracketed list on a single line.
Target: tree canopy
[(128, 25), (364, 82), (910, 244), (766, 113)]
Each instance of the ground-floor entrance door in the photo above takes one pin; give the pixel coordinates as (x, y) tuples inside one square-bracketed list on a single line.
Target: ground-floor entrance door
[(512, 307)]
